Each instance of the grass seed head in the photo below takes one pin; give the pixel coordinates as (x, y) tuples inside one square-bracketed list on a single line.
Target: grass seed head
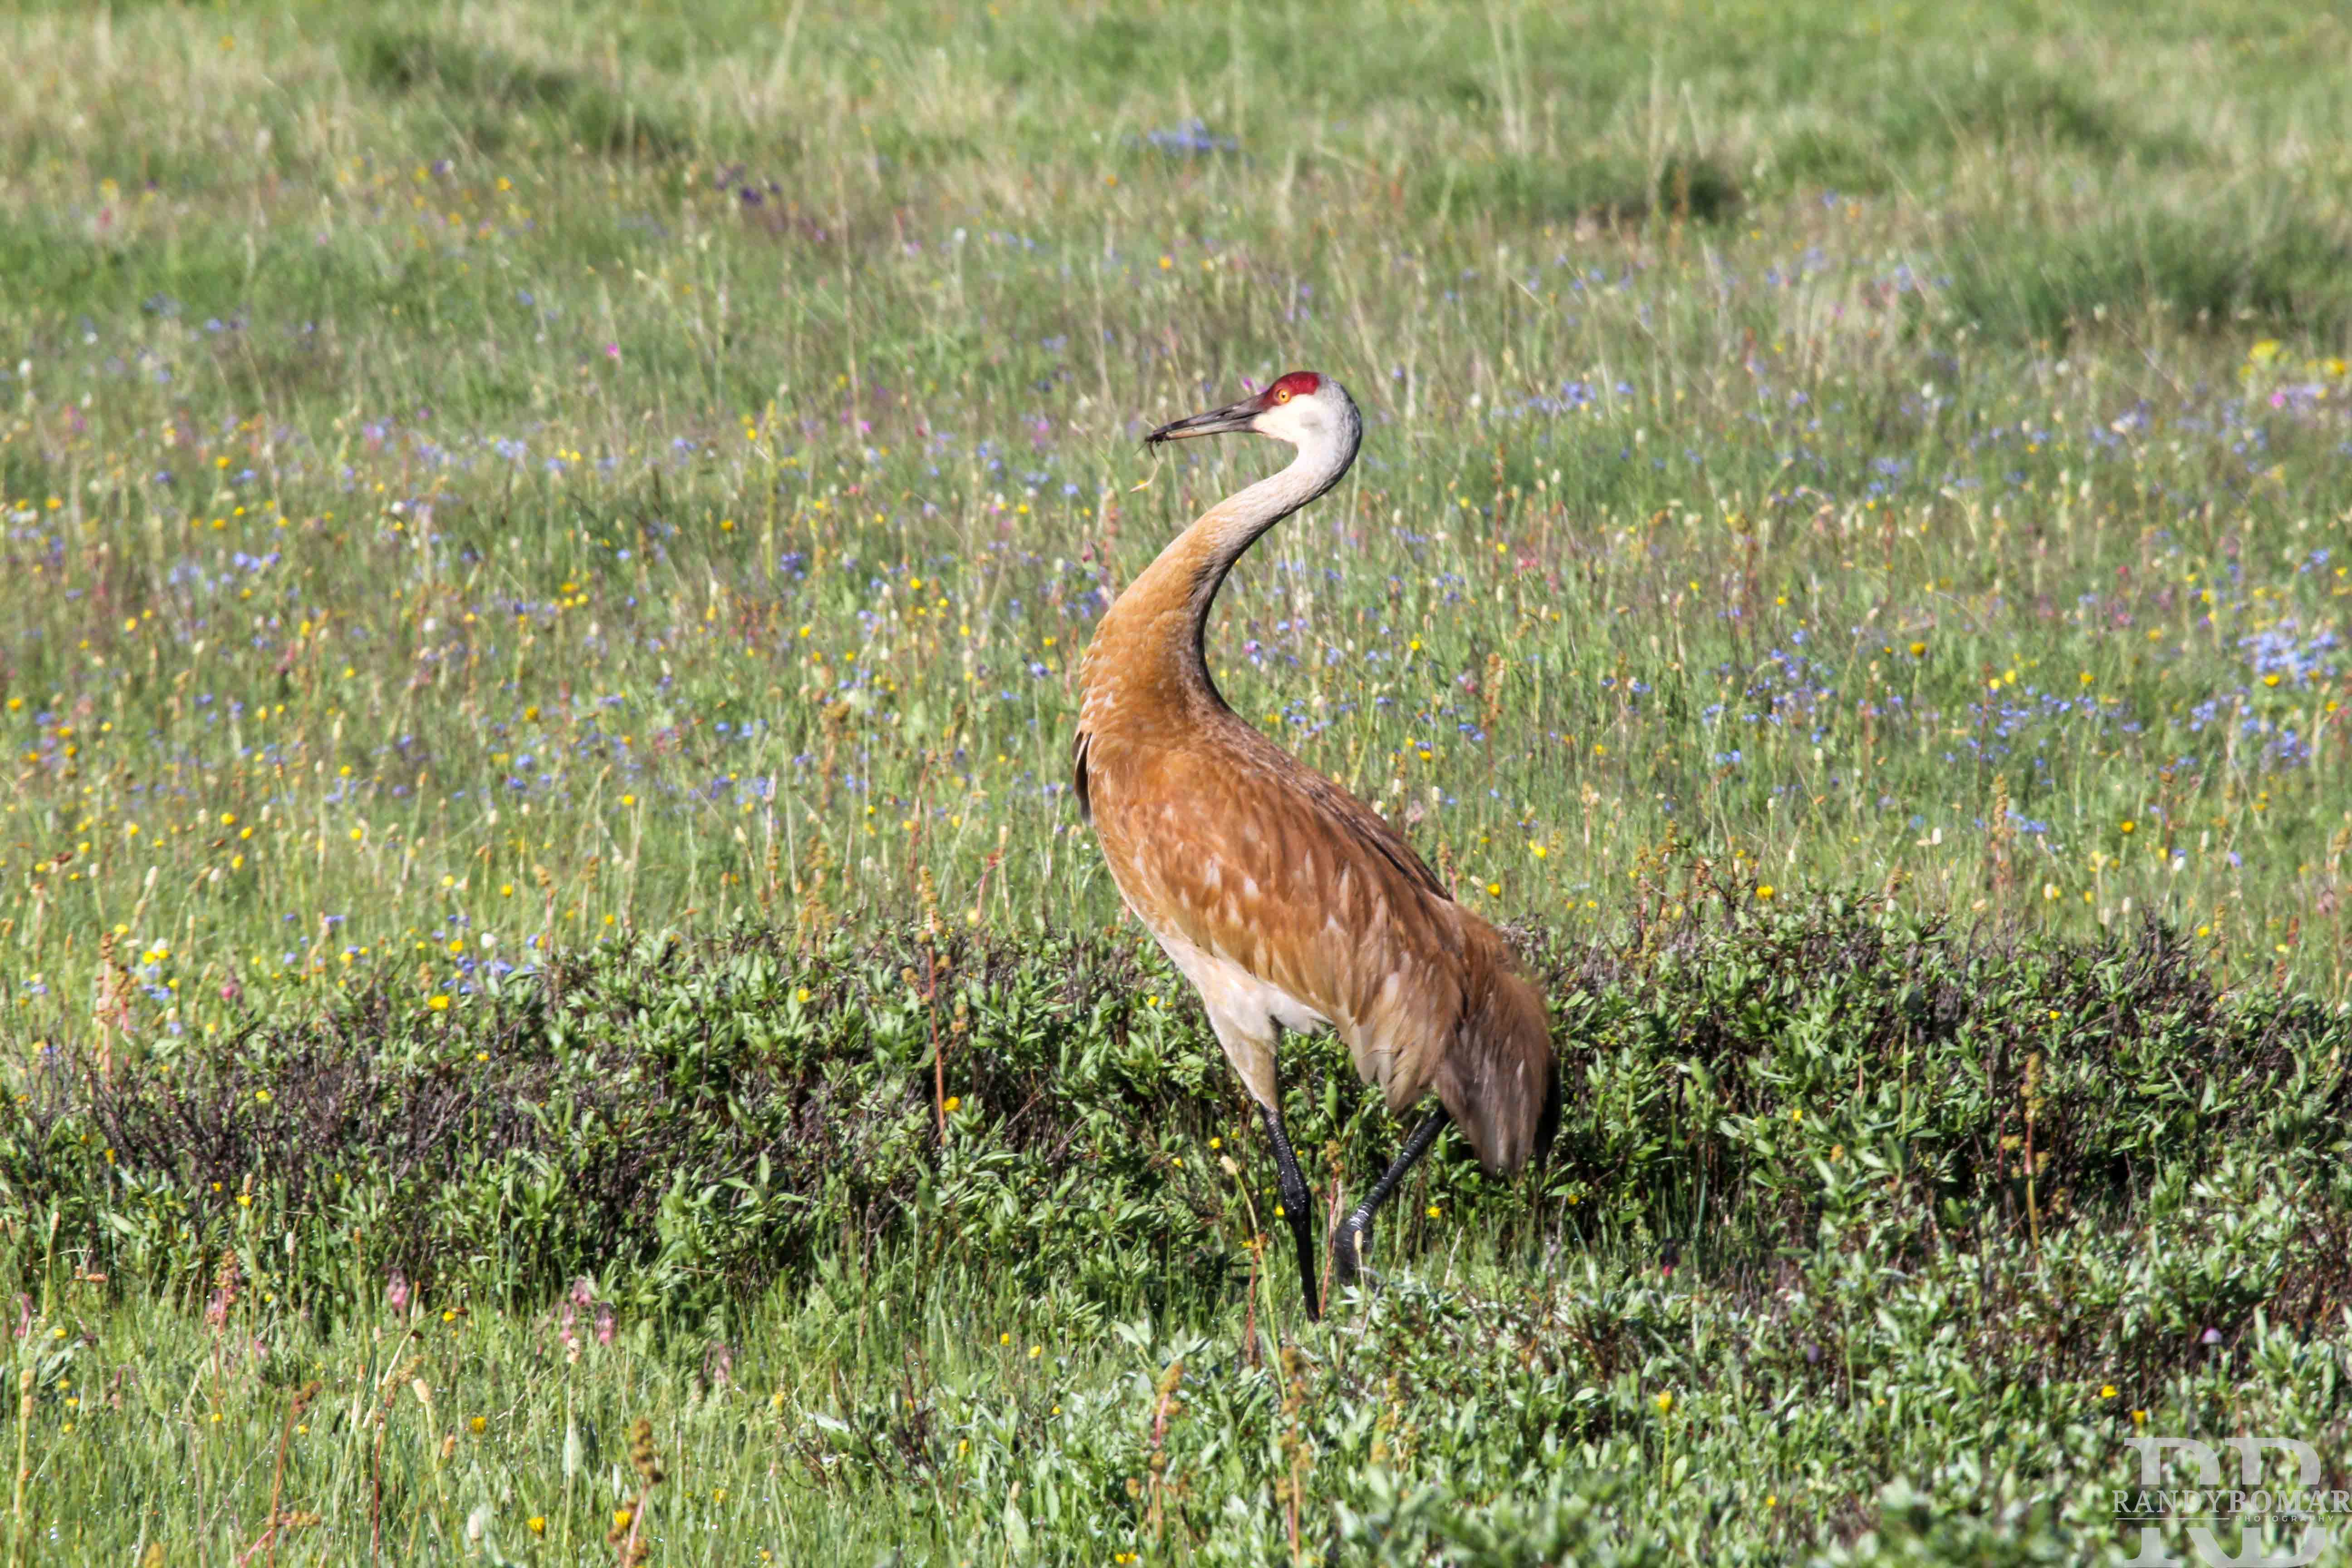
[(641, 1452)]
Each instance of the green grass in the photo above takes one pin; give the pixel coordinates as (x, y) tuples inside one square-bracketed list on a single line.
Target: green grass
[(513, 505), (1785, 1288)]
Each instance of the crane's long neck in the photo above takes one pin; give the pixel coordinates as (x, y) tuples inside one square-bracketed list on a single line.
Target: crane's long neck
[(1151, 642)]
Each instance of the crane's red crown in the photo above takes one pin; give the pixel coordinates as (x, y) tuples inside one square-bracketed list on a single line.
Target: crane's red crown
[(1297, 384)]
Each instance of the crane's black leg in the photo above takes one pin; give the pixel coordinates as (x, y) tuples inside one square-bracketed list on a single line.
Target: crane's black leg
[(1295, 1206), (1348, 1245)]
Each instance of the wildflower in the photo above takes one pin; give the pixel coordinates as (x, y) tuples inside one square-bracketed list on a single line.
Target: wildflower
[(954, 1103), (1765, 891), (477, 1425), (1432, 1211), (536, 1524), (438, 1002), (2129, 826), (261, 1096), (1665, 1402), (2109, 1392)]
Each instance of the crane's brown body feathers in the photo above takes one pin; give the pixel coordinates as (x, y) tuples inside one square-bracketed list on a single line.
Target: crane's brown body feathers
[(1286, 901), (1292, 905)]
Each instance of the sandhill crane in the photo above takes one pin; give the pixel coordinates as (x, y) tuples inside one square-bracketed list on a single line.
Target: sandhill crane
[(1287, 903)]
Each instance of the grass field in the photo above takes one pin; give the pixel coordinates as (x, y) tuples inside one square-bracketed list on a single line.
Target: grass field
[(546, 552)]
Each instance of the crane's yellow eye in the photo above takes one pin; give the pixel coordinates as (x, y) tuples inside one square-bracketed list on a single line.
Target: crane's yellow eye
[(1282, 396)]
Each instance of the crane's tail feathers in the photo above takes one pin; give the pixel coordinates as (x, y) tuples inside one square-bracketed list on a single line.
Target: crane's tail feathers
[(1500, 1082)]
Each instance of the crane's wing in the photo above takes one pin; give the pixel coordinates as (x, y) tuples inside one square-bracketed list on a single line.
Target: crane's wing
[(1288, 901), (1234, 849), (1258, 861)]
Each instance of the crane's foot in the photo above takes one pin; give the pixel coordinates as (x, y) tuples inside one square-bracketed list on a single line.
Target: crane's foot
[(1351, 1246), (1353, 1240)]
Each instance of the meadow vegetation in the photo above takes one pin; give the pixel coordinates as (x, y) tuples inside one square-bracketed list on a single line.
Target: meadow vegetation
[(546, 549)]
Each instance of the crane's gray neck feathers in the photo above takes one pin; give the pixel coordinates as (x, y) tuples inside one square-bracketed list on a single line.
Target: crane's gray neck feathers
[(1149, 643), (1227, 530)]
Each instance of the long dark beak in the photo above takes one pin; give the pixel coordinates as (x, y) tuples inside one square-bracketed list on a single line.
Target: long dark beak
[(1216, 422)]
